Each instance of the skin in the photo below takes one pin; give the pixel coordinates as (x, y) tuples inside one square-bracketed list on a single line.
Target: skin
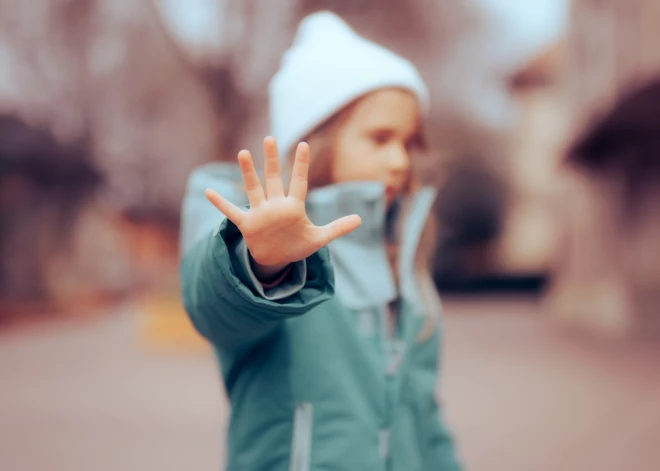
[(276, 228), (375, 143), (377, 140)]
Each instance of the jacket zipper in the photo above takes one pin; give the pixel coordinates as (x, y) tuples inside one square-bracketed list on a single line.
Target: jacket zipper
[(301, 447), (393, 353)]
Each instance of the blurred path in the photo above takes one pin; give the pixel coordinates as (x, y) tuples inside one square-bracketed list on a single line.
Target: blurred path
[(524, 397), (89, 396)]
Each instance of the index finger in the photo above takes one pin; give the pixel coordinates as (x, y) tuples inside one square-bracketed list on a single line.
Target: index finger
[(253, 188), (233, 212)]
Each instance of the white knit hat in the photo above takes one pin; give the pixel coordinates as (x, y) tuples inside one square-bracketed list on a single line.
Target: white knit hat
[(327, 67)]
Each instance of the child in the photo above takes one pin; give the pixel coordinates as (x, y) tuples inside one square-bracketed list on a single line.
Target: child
[(329, 356)]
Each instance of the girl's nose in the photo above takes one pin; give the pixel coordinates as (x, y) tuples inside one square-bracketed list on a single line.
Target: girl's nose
[(398, 159)]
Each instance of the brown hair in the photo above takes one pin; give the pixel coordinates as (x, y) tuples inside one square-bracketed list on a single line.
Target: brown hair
[(321, 143)]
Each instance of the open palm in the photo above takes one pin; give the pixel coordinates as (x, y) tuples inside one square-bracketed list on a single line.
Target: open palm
[(276, 228)]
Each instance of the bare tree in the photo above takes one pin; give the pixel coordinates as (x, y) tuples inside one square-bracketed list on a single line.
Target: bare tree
[(105, 78)]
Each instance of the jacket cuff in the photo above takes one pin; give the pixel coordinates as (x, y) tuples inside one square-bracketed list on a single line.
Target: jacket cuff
[(291, 282)]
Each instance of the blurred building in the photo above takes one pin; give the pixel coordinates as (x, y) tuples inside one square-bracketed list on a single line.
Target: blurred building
[(607, 274)]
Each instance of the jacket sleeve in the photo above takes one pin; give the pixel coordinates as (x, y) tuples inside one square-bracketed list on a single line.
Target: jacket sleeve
[(221, 294)]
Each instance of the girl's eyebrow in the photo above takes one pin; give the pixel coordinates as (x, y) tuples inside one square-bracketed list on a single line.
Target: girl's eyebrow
[(381, 129), (418, 132)]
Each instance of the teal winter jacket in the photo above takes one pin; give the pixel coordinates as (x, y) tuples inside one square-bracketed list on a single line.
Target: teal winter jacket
[(315, 377)]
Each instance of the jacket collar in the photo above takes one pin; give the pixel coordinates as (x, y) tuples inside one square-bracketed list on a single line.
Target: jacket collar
[(363, 273)]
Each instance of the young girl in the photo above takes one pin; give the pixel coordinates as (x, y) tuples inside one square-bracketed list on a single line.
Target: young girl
[(329, 354)]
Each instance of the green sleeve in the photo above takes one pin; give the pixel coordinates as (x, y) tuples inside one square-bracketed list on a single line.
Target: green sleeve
[(226, 303)]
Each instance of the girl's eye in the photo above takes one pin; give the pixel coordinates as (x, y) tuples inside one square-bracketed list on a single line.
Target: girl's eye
[(381, 137)]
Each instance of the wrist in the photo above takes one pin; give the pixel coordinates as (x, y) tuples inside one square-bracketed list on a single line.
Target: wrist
[(267, 273)]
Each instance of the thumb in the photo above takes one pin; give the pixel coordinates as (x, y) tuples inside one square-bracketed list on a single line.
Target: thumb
[(339, 228)]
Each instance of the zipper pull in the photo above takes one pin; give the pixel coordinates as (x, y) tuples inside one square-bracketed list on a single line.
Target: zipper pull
[(384, 443), (396, 356)]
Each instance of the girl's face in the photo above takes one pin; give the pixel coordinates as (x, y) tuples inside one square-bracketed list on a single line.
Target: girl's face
[(376, 140)]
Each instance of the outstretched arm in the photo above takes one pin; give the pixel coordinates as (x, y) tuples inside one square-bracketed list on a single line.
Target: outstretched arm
[(225, 274)]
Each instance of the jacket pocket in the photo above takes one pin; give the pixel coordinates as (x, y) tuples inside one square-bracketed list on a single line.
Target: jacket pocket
[(301, 446)]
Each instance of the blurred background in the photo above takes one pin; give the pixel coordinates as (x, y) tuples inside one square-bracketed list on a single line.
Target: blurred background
[(551, 290)]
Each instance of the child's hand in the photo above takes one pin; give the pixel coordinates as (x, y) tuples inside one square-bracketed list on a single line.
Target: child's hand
[(276, 229)]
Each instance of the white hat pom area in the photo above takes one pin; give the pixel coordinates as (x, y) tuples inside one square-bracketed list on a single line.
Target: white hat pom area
[(327, 67)]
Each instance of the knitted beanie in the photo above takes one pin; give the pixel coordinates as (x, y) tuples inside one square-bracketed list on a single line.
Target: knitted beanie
[(327, 67)]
